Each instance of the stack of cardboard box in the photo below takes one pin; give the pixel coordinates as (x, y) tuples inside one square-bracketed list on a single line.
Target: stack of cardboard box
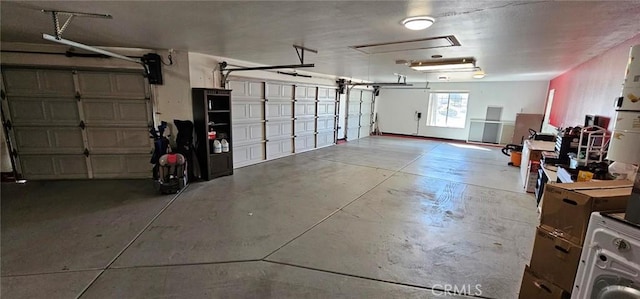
[(559, 238)]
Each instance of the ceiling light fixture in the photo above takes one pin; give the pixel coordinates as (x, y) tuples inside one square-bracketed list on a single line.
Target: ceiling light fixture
[(479, 75), (418, 23), (444, 64)]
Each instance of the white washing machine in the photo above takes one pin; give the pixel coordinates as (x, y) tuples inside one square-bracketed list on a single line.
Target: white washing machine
[(610, 261)]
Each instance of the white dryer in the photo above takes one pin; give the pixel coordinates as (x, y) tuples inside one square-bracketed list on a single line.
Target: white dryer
[(610, 260)]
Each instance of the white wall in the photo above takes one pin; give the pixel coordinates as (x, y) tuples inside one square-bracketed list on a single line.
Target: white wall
[(173, 98), (397, 107)]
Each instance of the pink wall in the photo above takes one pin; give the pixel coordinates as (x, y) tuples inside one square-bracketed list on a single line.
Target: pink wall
[(591, 87)]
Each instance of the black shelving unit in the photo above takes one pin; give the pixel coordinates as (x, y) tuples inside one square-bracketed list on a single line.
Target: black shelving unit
[(212, 112)]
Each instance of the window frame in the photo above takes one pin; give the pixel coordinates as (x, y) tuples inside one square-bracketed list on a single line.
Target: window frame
[(432, 108)]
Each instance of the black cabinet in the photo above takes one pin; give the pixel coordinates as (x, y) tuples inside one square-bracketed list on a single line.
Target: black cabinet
[(540, 183), (212, 121), (565, 144)]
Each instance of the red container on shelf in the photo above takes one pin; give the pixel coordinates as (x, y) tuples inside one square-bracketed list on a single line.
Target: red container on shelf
[(212, 135)]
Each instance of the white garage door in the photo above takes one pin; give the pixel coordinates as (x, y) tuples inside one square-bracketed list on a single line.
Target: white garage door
[(79, 124), (326, 127), (366, 108), (305, 118), (276, 119), (353, 114), (279, 120), (248, 122)]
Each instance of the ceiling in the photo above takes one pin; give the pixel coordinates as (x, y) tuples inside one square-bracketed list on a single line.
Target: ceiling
[(511, 40)]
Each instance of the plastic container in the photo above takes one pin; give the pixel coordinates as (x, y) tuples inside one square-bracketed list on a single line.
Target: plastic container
[(217, 147), (225, 146), (212, 135), (516, 158), (623, 171)]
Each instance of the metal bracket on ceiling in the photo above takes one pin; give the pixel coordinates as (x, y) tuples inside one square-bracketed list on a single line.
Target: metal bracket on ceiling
[(300, 51), (58, 30), (224, 77), (401, 77)]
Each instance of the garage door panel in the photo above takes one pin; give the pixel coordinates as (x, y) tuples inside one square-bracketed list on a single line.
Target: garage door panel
[(54, 166), (325, 139), (279, 110), (301, 92), (352, 133), (241, 90), (44, 140), (248, 154), (305, 109), (119, 140), (367, 96), (133, 112), (353, 121), (277, 91), (279, 148), (305, 143), (326, 94), (247, 133), (121, 166), (305, 126), (116, 112), (279, 129), (354, 95), (365, 119), (247, 111), (43, 111), (353, 108), (25, 82), (326, 108), (112, 85), (365, 108), (305, 93), (27, 112), (364, 131), (326, 123)]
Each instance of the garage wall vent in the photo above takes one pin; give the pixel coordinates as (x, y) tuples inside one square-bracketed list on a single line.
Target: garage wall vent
[(409, 45)]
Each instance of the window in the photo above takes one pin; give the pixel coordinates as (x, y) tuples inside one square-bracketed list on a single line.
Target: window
[(448, 109)]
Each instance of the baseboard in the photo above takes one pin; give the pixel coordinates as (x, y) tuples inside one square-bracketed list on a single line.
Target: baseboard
[(421, 137), (437, 139)]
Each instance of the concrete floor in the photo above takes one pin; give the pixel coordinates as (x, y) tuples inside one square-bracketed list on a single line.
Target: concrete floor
[(381, 217)]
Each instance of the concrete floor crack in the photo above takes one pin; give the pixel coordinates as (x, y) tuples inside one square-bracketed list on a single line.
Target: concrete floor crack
[(132, 241)]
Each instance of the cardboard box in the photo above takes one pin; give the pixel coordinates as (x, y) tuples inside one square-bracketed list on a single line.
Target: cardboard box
[(535, 156), (567, 207), (555, 259), (536, 287)]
